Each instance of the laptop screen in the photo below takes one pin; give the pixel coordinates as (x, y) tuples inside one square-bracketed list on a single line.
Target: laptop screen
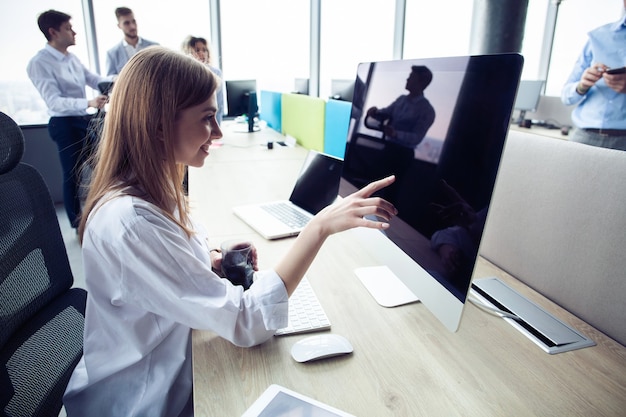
[(318, 183), (439, 125)]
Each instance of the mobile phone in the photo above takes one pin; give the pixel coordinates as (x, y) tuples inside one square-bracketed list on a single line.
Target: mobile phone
[(613, 71)]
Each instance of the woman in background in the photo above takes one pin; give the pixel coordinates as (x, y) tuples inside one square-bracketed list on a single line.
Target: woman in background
[(148, 268), (199, 49)]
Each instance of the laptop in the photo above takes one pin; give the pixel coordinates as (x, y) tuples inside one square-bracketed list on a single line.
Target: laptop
[(317, 186)]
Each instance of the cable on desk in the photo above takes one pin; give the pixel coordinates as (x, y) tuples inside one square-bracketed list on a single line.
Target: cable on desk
[(491, 310)]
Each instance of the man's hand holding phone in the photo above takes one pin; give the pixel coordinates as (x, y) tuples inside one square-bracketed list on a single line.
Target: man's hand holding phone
[(613, 71), (615, 78)]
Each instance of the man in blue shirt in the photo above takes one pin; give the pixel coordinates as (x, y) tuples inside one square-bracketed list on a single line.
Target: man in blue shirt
[(60, 78), (406, 121), (119, 55), (600, 114)]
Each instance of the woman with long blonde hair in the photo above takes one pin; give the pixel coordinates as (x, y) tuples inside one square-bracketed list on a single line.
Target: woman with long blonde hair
[(147, 266)]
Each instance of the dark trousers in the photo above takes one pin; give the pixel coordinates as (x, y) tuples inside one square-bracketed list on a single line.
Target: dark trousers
[(70, 133), (597, 139)]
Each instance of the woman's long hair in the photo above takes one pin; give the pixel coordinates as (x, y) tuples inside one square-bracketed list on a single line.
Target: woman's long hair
[(136, 151)]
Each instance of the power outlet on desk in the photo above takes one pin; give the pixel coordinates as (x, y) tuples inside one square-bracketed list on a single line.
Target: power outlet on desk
[(545, 330)]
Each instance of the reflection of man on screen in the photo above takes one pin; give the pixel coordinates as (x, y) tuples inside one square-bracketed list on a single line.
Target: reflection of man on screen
[(406, 120), (404, 124)]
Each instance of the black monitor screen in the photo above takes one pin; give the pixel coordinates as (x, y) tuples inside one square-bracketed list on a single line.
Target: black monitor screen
[(439, 125), (238, 96)]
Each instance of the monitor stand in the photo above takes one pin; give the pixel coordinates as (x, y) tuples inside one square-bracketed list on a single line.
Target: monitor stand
[(251, 125), (520, 118), (247, 126), (385, 286)]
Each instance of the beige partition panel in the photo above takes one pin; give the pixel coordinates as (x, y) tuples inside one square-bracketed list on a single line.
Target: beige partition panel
[(558, 223)]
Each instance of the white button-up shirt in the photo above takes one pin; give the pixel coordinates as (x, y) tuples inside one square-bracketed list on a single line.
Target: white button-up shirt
[(148, 285), (61, 80)]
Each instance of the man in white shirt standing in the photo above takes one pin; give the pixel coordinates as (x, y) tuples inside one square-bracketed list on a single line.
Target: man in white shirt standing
[(119, 55), (60, 78)]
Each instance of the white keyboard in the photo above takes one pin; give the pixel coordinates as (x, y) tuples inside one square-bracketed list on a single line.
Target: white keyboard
[(305, 312)]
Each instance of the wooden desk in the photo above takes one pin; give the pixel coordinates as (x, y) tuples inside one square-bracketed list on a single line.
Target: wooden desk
[(405, 363)]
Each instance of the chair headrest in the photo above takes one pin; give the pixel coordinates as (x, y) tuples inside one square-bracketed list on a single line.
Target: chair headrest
[(11, 143)]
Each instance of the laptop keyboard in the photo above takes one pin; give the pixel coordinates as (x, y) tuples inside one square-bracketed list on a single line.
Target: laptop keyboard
[(305, 312), (287, 214)]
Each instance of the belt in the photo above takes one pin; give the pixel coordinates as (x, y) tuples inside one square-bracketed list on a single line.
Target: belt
[(607, 132)]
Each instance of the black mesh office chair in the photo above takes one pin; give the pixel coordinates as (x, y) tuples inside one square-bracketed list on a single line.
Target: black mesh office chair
[(41, 316)]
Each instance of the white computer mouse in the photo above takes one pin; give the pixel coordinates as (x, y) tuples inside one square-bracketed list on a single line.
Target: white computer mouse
[(320, 346)]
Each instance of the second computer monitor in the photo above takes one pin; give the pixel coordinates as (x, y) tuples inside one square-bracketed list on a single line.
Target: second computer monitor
[(342, 89), (301, 86), (238, 98), (528, 95)]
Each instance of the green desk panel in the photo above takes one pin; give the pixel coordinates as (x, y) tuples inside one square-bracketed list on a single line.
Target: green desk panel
[(303, 118)]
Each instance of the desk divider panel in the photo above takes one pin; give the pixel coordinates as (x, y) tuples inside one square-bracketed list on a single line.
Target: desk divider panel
[(336, 127), (270, 109), (303, 118), (556, 222)]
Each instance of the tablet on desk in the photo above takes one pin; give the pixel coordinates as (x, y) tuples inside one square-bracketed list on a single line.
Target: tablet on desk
[(278, 401)]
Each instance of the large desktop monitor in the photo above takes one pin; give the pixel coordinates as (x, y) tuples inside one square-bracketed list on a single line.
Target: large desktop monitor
[(527, 99), (444, 147), (241, 100)]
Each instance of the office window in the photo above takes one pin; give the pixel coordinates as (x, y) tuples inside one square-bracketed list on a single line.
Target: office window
[(532, 43), (437, 28), (20, 40), (266, 40), (353, 31), (168, 24), (432, 30)]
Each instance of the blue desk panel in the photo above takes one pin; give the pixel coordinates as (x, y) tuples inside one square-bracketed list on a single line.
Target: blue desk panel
[(270, 109), (336, 127)]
